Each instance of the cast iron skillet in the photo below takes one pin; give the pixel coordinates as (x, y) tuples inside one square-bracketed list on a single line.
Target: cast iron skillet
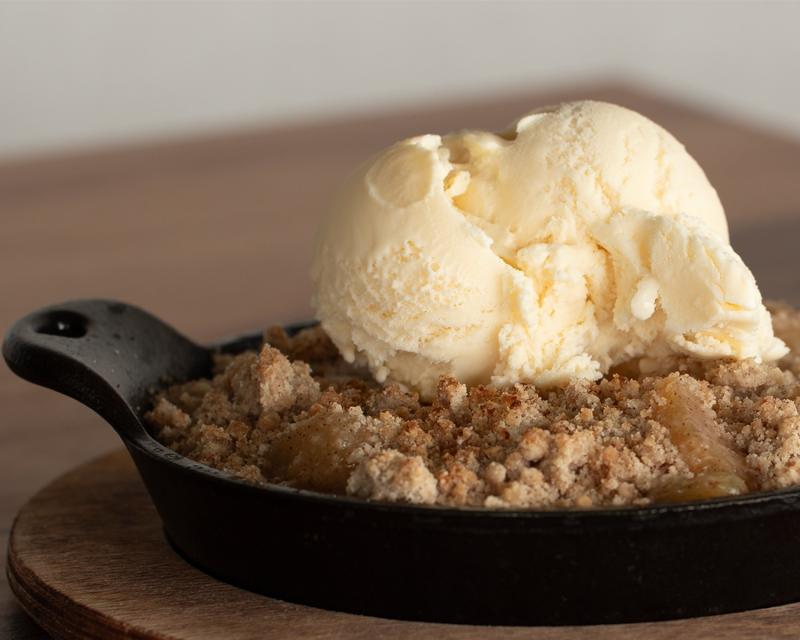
[(400, 561)]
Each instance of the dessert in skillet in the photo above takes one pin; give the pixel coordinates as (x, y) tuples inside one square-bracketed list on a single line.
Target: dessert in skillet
[(548, 317)]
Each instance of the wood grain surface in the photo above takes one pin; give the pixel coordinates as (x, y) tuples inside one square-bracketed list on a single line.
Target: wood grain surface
[(88, 559), (214, 235)]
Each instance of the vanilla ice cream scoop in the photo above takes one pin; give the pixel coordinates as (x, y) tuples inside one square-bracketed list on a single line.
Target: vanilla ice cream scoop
[(583, 237)]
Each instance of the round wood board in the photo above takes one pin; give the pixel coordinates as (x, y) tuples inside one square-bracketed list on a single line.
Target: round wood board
[(88, 559)]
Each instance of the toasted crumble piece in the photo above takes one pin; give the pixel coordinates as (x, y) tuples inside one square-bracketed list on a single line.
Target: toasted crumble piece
[(188, 396), (459, 486), (412, 439), (747, 374), (530, 492), (391, 397), (232, 394), (495, 475), (169, 416), (250, 473), (284, 385), (673, 429), (772, 441), (394, 477), (452, 395), (213, 445), (569, 455), (534, 445)]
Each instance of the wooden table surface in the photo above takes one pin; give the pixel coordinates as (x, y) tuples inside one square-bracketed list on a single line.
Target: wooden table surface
[(214, 235)]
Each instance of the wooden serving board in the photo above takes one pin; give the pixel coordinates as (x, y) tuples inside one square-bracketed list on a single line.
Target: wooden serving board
[(87, 558)]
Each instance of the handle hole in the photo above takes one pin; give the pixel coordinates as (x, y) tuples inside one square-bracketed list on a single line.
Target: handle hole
[(67, 324)]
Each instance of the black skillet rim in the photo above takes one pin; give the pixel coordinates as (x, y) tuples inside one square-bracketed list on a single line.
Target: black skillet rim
[(731, 508)]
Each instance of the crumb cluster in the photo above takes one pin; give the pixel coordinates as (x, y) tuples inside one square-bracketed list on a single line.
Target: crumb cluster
[(296, 414)]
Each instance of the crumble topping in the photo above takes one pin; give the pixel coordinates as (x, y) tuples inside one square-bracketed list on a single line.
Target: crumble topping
[(677, 429)]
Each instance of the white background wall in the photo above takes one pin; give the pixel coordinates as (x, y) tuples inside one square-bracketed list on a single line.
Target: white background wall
[(87, 73)]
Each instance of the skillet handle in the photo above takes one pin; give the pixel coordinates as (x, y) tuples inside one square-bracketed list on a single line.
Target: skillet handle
[(105, 354)]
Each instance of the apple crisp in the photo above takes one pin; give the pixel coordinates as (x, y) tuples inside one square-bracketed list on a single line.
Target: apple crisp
[(295, 414)]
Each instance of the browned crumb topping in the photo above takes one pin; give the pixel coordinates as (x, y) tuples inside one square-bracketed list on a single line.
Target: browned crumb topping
[(296, 414)]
